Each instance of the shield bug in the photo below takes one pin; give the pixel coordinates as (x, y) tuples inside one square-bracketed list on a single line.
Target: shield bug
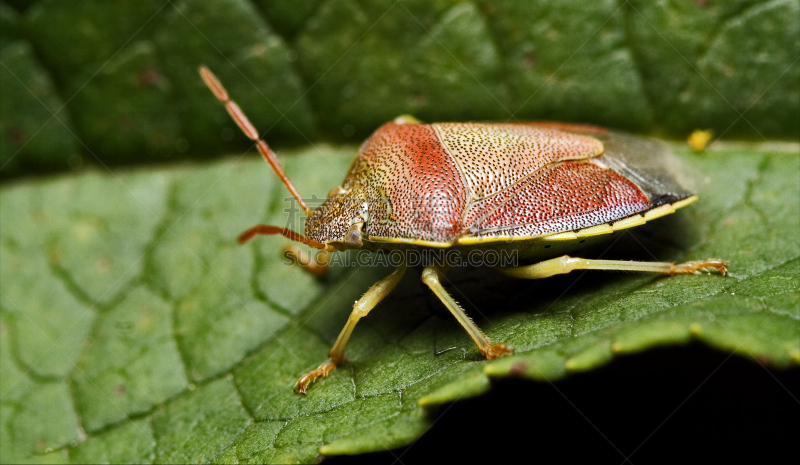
[(537, 189)]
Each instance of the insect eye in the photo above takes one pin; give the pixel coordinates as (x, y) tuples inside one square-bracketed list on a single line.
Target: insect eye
[(353, 235)]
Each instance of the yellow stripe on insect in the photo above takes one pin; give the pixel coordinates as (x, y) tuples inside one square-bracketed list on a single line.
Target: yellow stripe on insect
[(595, 230), (400, 240), (685, 202), (637, 220), (565, 236), (659, 212), (479, 240)]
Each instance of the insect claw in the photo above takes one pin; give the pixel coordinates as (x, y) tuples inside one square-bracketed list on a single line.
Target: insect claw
[(702, 265), (320, 372), (497, 351)]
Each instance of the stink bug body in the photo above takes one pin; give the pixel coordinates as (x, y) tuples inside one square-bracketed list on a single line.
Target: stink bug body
[(523, 187)]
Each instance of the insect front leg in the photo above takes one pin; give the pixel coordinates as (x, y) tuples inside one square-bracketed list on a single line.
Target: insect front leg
[(316, 264), (432, 277), (565, 264), (361, 308)]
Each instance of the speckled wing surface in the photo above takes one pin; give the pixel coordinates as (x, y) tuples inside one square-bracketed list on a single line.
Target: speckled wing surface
[(451, 182), (633, 175)]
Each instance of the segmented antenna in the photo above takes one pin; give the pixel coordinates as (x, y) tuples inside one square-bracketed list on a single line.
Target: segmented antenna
[(250, 131), (287, 233)]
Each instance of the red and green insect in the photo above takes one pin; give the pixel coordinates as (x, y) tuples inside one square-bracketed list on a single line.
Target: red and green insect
[(534, 188)]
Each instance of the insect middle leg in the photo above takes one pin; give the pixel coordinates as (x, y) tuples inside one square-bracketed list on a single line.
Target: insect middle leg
[(361, 308), (432, 277), (565, 264)]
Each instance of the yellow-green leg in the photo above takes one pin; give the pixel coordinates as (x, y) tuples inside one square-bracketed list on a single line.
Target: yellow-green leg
[(432, 277), (565, 264), (361, 308)]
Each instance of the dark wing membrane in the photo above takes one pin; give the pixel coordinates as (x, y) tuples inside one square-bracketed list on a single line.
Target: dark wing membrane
[(648, 164)]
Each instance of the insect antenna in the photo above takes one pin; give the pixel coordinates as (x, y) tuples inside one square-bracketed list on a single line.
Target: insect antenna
[(250, 131), (287, 233)]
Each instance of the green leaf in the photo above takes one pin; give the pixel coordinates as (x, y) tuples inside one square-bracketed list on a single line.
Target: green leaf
[(32, 137), (133, 327), (121, 77)]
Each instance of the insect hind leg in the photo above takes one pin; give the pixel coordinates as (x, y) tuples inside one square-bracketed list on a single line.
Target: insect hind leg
[(565, 264)]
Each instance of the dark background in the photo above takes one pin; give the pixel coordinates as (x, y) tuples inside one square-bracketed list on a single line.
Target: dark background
[(690, 404)]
